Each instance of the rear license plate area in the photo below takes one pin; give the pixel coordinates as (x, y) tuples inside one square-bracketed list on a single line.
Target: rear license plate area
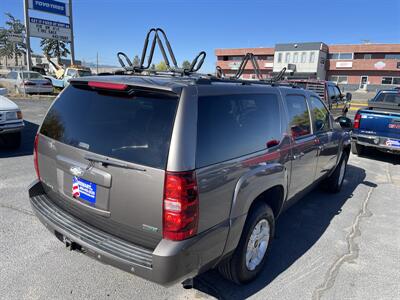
[(84, 190), (393, 143)]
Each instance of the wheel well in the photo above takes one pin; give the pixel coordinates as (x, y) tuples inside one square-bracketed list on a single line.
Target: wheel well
[(273, 197)]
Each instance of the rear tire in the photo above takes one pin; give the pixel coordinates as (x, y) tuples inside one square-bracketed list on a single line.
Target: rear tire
[(250, 255), (12, 140), (356, 149), (334, 182)]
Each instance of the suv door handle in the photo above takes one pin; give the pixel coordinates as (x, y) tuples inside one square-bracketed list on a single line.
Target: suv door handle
[(298, 156)]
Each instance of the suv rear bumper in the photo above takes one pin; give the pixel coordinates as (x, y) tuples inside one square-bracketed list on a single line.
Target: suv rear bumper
[(374, 141), (169, 263)]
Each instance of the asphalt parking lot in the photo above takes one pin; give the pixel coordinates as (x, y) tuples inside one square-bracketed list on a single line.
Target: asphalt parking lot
[(342, 246)]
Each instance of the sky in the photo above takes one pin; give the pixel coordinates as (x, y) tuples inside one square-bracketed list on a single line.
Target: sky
[(108, 26)]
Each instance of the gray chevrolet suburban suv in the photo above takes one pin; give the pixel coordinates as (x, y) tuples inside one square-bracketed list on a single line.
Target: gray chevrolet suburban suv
[(166, 177)]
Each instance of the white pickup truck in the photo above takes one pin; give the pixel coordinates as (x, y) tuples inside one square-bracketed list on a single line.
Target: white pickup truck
[(11, 123)]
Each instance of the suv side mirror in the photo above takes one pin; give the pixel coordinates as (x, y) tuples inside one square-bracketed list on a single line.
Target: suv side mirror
[(348, 96), (344, 122)]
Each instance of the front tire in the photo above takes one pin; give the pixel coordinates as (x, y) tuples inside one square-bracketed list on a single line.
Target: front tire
[(335, 181), (250, 255)]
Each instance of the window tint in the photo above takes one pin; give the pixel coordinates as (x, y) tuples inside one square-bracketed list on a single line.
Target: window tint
[(388, 98), (236, 125), (135, 129), (320, 114), (299, 118)]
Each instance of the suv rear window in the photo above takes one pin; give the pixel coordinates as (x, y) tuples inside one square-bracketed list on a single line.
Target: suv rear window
[(236, 125), (136, 129)]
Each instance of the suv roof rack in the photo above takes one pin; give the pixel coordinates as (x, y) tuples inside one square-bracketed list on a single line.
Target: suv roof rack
[(157, 40), (160, 38)]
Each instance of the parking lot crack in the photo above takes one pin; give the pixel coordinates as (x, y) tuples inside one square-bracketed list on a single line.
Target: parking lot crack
[(21, 210), (351, 253)]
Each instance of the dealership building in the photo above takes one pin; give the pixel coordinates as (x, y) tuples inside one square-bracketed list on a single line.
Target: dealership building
[(354, 67)]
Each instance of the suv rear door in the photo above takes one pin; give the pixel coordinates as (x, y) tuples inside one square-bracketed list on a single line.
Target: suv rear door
[(122, 196), (304, 150), (326, 139)]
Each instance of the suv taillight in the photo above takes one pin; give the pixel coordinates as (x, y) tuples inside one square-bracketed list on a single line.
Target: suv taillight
[(180, 206), (357, 119), (35, 156)]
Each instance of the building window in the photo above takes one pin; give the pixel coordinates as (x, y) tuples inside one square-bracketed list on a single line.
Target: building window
[(367, 56), (236, 58), (296, 57), (279, 57), (338, 79), (303, 57), (270, 57), (340, 56), (287, 58), (387, 80), (312, 57), (392, 56), (390, 80)]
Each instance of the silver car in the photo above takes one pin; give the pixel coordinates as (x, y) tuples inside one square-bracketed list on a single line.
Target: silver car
[(27, 82)]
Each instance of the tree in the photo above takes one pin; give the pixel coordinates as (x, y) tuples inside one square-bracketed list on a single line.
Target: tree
[(54, 48), (9, 48), (136, 61), (161, 66), (186, 64)]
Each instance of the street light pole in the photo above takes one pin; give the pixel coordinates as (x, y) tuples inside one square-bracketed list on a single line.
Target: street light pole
[(27, 36), (72, 33)]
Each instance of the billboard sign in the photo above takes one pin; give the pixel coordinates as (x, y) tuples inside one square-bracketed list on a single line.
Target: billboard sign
[(47, 29), (50, 6)]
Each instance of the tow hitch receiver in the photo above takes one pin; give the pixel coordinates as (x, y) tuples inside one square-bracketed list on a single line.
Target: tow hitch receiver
[(70, 244)]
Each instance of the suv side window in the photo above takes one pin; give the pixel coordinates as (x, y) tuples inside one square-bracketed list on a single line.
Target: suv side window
[(231, 126), (299, 117), (320, 115)]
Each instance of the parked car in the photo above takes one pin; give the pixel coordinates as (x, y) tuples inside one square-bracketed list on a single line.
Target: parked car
[(28, 82), (378, 125), (11, 123), (330, 93), (167, 177)]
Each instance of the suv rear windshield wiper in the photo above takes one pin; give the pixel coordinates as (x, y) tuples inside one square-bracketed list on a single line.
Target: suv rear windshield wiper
[(111, 162)]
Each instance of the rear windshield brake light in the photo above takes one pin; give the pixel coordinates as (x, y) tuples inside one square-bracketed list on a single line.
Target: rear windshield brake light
[(108, 85)]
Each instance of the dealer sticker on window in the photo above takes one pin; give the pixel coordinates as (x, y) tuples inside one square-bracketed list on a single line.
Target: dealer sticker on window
[(393, 143), (83, 189)]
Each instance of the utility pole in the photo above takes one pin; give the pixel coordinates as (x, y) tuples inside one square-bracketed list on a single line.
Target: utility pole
[(97, 63), (27, 36), (72, 33)]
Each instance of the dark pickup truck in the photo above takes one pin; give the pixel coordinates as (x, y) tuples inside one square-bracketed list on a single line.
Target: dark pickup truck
[(337, 102), (378, 125)]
